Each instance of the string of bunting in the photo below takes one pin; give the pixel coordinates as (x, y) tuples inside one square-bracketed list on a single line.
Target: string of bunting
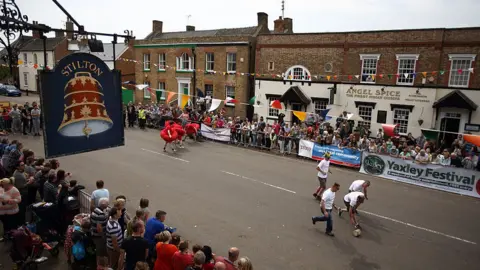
[(309, 77)]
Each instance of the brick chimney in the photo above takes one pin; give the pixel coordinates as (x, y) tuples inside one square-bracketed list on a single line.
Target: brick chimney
[(69, 26), (190, 28), (288, 25), (157, 26), (35, 33), (283, 26), (262, 18)]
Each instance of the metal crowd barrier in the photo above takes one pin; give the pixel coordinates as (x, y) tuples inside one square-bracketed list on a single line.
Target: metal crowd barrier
[(85, 200)]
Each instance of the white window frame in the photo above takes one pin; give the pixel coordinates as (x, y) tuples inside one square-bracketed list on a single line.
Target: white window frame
[(182, 60), (146, 61), (35, 59), (162, 61), (369, 57), (227, 88), (454, 72), (231, 62), (290, 72), (272, 112), (25, 79), (209, 63), (161, 86), (271, 66), (206, 93), (402, 80), (361, 112), (402, 126), (25, 58), (146, 93), (319, 106)]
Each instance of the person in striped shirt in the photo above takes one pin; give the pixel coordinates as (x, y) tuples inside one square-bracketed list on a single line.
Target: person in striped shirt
[(114, 237), (99, 219)]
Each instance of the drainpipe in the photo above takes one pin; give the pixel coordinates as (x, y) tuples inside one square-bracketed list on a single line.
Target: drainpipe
[(194, 101)]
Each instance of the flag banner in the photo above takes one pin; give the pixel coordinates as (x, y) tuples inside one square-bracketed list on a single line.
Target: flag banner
[(76, 122), (345, 156), (215, 104), (216, 134), (170, 96), (300, 115), (185, 100), (450, 179), (431, 135)]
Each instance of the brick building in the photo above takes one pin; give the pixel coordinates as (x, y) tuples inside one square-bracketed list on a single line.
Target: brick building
[(216, 62), (377, 75)]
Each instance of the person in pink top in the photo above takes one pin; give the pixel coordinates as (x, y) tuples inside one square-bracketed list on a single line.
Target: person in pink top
[(10, 198)]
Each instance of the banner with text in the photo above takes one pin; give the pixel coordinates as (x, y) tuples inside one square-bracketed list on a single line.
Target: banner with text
[(345, 156), (451, 179), (217, 134)]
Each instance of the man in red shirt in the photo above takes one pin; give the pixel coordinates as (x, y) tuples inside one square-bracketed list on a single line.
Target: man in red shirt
[(182, 258), (233, 254)]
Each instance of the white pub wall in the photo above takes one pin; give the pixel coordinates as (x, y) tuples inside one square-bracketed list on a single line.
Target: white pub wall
[(28, 68)]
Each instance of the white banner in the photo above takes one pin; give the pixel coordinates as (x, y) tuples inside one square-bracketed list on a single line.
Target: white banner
[(451, 179), (306, 148), (217, 134)]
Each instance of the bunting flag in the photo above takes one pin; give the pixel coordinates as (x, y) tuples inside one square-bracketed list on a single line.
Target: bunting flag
[(123, 88), (424, 74), (328, 77), (170, 97), (252, 101), (389, 76), (141, 86), (185, 99), (276, 104), (473, 139), (406, 75), (459, 71), (357, 76), (389, 130), (153, 93), (470, 70), (300, 115), (442, 72), (230, 100), (373, 77), (215, 104), (323, 114), (429, 134)]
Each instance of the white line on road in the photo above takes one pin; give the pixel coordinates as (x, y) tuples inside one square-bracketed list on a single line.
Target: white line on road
[(418, 227), (254, 180), (161, 154)]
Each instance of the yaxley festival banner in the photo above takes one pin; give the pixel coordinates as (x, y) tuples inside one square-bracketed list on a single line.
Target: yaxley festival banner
[(451, 179), (81, 106), (217, 134), (345, 157)]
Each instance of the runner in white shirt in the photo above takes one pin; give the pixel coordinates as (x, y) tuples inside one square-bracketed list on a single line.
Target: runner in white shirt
[(352, 201), (323, 170), (326, 205), (360, 186)]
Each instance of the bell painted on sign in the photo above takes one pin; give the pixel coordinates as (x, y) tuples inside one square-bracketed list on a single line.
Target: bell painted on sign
[(85, 113)]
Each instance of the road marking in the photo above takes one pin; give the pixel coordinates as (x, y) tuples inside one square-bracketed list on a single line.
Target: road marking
[(257, 181), (418, 227), (161, 154)]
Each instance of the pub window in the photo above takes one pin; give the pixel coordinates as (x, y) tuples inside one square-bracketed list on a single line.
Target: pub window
[(369, 67), (382, 117), (272, 112), (366, 113), (400, 118), (406, 68), (320, 105), (209, 90)]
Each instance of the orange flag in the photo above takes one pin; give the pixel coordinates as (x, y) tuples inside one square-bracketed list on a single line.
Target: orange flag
[(328, 77), (300, 115), (473, 139), (170, 97), (424, 74), (184, 103)]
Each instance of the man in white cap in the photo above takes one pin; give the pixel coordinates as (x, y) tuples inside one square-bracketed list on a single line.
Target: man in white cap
[(323, 170), (352, 201)]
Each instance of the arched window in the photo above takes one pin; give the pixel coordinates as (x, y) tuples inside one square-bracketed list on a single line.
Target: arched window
[(35, 60), (297, 73)]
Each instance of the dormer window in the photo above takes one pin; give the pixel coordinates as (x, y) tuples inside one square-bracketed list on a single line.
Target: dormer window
[(297, 73)]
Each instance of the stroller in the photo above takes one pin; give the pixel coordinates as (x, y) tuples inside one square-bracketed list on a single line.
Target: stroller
[(27, 249), (46, 221)]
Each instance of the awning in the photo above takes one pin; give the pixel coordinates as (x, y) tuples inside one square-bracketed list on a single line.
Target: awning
[(455, 99), (295, 95)]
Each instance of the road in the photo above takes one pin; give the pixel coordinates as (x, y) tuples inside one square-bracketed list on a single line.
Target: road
[(227, 196)]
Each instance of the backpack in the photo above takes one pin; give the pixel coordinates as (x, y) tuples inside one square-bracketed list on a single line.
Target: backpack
[(78, 249)]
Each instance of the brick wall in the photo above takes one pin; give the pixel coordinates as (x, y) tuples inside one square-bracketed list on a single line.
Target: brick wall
[(126, 67), (61, 51), (343, 51)]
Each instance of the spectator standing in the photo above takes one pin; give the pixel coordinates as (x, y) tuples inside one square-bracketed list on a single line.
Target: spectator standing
[(209, 261), (198, 261), (182, 258), (50, 188), (81, 236), (40, 179), (220, 266), (120, 202), (99, 193), (10, 198), (233, 254), (114, 235), (135, 247), (25, 114), (22, 182), (138, 216), (99, 220), (245, 264), (154, 226), (16, 117), (165, 252), (144, 207), (35, 114)]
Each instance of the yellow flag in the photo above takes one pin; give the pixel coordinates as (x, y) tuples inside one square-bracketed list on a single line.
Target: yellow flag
[(185, 99), (328, 78), (300, 115), (424, 74), (373, 77)]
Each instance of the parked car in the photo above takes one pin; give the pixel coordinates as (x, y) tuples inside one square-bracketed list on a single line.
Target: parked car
[(10, 90)]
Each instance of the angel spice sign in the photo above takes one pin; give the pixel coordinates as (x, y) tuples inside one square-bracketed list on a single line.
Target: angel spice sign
[(82, 106)]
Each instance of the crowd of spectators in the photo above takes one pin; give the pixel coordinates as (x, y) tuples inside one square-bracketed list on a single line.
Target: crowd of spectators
[(24, 119), (110, 238)]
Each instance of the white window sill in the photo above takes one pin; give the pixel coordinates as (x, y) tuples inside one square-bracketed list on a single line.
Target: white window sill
[(368, 82), (272, 116), (146, 97), (229, 104), (458, 86), (231, 72), (405, 84)]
